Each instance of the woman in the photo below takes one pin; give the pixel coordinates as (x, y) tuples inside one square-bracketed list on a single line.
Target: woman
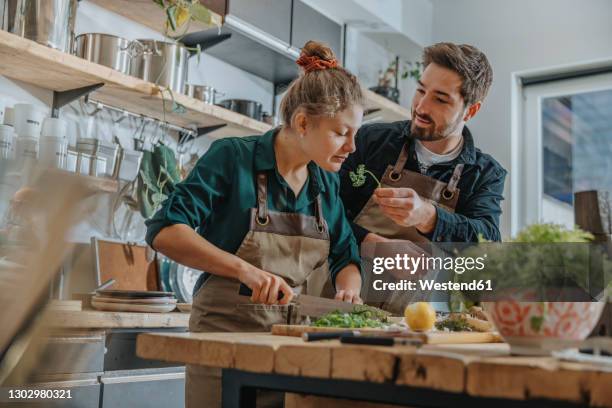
[(267, 213)]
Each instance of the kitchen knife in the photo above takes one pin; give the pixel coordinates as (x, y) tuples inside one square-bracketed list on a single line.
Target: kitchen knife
[(328, 335), (315, 306), (379, 341)]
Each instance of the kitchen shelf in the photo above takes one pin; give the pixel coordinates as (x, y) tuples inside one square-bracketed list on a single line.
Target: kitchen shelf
[(95, 319), (149, 14), (36, 64), (389, 110)]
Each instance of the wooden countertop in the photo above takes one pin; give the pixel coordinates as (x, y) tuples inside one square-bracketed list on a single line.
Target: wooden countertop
[(483, 370), (93, 319)]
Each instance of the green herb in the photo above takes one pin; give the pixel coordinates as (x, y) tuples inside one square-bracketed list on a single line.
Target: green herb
[(360, 317), (358, 178), (540, 269), (454, 324)]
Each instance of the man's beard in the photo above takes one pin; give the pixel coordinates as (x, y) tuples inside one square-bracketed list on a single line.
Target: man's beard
[(432, 133)]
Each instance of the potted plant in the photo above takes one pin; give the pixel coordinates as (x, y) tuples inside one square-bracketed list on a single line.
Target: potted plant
[(392, 73), (541, 300)]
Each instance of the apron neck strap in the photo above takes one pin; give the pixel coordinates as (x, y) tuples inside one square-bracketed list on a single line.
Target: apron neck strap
[(319, 213), (262, 202), (452, 184), (401, 160), (262, 197)]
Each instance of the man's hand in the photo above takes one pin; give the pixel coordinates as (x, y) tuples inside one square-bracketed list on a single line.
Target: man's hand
[(406, 208)]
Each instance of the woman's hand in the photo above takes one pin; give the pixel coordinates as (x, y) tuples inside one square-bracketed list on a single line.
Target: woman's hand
[(348, 284), (265, 286), (348, 296)]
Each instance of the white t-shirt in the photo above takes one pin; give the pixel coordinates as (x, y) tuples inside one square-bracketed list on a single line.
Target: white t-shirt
[(427, 158)]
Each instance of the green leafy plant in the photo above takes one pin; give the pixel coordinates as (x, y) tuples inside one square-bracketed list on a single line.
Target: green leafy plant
[(180, 13), (358, 177), (360, 317), (406, 69), (454, 324), (541, 262)]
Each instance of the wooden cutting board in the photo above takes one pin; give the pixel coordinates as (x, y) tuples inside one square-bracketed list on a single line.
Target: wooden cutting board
[(434, 337)]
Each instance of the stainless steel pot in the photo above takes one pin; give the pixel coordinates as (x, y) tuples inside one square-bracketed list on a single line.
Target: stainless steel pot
[(108, 50), (251, 109), (163, 63), (204, 93), (48, 22)]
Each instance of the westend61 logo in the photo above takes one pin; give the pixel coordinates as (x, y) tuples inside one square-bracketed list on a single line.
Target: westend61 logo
[(412, 264)]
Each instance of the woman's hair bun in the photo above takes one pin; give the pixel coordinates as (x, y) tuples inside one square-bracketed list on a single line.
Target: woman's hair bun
[(316, 56), (319, 50)]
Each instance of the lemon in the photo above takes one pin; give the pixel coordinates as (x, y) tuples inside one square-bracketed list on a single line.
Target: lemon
[(420, 316)]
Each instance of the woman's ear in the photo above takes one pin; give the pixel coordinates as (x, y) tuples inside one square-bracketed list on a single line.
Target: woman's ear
[(299, 123)]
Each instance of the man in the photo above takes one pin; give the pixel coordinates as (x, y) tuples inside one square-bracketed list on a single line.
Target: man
[(435, 185)]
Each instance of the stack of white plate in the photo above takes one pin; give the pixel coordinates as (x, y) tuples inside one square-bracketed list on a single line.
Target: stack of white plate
[(134, 301)]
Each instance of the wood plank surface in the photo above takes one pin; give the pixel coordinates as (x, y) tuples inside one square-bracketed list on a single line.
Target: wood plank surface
[(27, 61), (87, 319), (486, 370), (434, 337)]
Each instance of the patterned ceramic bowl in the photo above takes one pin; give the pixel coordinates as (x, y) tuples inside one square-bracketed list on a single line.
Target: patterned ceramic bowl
[(538, 328)]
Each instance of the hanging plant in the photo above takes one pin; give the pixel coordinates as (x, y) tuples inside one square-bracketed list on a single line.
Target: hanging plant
[(180, 13)]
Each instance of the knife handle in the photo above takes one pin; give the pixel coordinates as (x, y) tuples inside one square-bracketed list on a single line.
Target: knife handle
[(328, 335), (244, 290), (368, 340)]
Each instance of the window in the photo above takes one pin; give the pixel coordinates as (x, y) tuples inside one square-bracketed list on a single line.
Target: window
[(565, 147)]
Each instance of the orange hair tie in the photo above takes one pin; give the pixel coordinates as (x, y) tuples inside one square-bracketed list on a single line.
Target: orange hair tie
[(314, 63)]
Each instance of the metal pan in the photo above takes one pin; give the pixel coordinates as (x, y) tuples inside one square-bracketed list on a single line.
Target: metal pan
[(248, 108), (108, 50)]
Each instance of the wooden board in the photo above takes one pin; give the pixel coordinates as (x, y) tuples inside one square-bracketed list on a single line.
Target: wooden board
[(65, 305), (51, 69), (91, 319), (127, 264), (435, 337)]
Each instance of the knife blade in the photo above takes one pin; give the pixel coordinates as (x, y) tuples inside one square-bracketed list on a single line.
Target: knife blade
[(314, 306)]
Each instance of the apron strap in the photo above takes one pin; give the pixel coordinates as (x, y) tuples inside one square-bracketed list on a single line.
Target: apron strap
[(262, 198), (452, 184), (400, 163), (319, 214)]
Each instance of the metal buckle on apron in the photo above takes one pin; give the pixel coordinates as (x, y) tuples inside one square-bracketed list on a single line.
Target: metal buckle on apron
[(266, 221), (395, 176), (447, 194)]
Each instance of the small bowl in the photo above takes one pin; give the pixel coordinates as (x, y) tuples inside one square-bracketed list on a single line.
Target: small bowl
[(531, 328)]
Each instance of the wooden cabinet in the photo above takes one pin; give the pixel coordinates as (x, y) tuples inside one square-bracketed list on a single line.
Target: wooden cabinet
[(216, 6)]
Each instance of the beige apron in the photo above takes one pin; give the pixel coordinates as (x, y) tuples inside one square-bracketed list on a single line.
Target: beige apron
[(289, 245), (439, 193)]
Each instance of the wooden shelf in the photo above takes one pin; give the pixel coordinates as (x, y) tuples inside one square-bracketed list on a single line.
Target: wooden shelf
[(94, 319), (389, 111), (51, 69), (149, 14)]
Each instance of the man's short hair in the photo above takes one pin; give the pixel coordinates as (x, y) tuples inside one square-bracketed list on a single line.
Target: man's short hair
[(466, 60)]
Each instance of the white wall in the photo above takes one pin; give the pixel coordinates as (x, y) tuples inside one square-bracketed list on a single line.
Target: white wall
[(519, 35)]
